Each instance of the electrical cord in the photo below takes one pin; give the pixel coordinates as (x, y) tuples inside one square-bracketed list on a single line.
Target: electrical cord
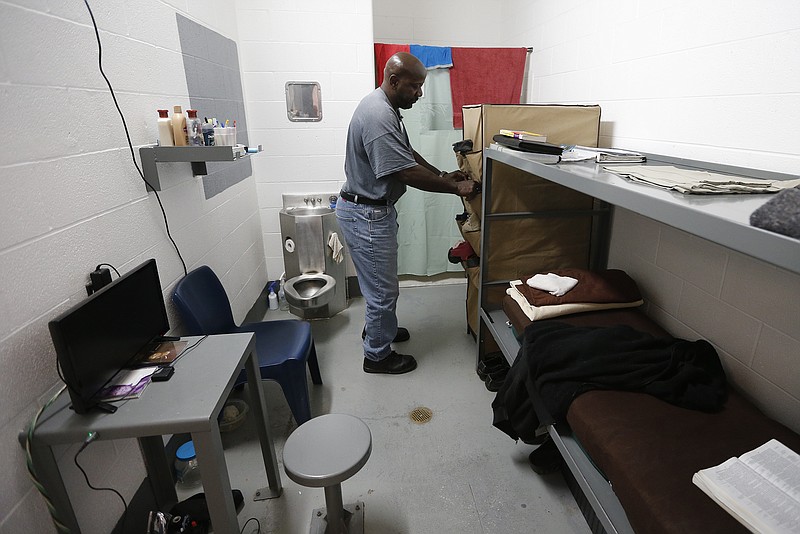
[(128, 136), (258, 525), (89, 439), (188, 349), (60, 527)]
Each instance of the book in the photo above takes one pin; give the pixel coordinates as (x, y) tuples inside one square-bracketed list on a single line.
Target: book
[(159, 353), (547, 159), (760, 488), (525, 136), (601, 155), (127, 384), (527, 146)]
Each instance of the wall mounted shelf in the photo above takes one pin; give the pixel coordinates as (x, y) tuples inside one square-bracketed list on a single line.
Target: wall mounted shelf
[(196, 155)]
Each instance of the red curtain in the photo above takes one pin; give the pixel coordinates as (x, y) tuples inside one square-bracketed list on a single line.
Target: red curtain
[(478, 75), (382, 54), (485, 76)]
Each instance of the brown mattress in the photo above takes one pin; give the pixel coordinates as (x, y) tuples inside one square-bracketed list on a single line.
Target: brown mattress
[(649, 449)]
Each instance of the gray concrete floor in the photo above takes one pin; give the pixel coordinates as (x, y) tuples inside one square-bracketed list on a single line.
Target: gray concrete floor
[(453, 474)]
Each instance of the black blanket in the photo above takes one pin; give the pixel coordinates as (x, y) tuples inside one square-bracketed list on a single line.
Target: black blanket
[(558, 361)]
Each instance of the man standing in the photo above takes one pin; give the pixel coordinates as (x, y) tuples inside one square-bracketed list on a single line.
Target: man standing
[(379, 164)]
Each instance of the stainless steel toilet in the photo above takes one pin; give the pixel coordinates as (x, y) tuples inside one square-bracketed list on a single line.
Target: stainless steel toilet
[(310, 290), (315, 281)]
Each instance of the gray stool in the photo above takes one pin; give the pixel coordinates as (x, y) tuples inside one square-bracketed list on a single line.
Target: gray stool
[(323, 452)]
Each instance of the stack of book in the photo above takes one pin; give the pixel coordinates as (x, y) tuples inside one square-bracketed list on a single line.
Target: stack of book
[(525, 136), (601, 155)]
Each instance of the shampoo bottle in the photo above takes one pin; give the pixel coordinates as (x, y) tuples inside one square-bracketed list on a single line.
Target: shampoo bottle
[(164, 128), (179, 126), (194, 128)]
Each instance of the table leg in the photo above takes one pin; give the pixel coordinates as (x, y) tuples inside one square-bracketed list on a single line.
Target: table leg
[(259, 409), (216, 484), (158, 471), (49, 476)]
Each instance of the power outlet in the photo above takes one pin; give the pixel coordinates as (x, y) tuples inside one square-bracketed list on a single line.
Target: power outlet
[(99, 278)]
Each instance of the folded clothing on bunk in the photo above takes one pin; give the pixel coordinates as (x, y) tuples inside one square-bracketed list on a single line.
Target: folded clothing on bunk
[(696, 181), (595, 290), (552, 283), (780, 214)]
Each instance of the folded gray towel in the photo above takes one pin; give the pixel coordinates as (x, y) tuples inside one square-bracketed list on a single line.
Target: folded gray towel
[(780, 214)]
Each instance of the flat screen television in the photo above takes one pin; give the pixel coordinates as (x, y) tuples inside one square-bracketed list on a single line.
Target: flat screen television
[(98, 337)]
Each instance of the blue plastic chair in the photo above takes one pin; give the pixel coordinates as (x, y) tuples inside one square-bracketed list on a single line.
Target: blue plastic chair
[(283, 347)]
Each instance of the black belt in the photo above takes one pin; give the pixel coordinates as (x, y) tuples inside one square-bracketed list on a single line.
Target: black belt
[(358, 199)]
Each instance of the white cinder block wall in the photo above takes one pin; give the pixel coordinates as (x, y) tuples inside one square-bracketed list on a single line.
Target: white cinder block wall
[(73, 200), (714, 81), (317, 41)]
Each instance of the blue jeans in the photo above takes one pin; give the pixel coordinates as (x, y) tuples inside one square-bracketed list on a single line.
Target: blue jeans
[(371, 236)]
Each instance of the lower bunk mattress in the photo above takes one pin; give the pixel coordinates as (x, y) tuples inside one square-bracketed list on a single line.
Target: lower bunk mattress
[(649, 449)]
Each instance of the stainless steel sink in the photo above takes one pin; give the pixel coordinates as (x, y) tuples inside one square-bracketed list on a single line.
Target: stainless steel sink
[(299, 211)]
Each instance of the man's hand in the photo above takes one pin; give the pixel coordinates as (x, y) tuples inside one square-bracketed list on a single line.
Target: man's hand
[(468, 189), (457, 176)]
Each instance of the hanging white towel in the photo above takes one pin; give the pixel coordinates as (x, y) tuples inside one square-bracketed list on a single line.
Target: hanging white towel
[(336, 247), (552, 283)]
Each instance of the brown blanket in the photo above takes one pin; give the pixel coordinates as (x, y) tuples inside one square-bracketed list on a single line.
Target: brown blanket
[(597, 287)]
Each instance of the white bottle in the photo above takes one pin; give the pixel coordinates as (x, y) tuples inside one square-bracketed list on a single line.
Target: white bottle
[(179, 126), (165, 128), (273, 300), (194, 128)]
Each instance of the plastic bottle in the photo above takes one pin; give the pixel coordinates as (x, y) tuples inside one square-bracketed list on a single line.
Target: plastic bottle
[(282, 295), (194, 128), (179, 127), (165, 128), (187, 471), (273, 300), (208, 133)]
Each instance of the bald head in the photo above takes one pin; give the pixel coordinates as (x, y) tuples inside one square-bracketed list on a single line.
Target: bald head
[(403, 77), (404, 64)]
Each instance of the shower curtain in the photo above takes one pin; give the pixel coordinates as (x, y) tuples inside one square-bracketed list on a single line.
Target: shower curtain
[(427, 220)]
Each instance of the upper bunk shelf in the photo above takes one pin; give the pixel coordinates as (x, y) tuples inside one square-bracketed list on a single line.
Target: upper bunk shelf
[(722, 219)]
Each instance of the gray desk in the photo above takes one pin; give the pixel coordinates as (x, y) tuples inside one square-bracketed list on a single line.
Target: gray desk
[(189, 402)]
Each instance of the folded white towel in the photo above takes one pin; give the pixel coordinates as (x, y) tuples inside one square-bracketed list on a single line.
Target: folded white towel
[(337, 249), (552, 283)]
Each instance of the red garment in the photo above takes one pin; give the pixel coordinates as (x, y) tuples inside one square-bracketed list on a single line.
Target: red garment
[(485, 76), (382, 54)]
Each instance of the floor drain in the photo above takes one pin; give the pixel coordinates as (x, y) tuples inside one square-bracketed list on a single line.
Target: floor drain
[(421, 415)]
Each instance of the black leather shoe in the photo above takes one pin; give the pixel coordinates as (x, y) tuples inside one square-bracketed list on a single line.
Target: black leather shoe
[(484, 369), (393, 364), (401, 335), (494, 381), (545, 459)]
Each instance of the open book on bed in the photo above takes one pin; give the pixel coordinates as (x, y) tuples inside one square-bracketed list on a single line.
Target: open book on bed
[(761, 488)]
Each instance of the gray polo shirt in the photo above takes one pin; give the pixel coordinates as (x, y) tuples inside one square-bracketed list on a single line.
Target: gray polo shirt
[(377, 147)]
